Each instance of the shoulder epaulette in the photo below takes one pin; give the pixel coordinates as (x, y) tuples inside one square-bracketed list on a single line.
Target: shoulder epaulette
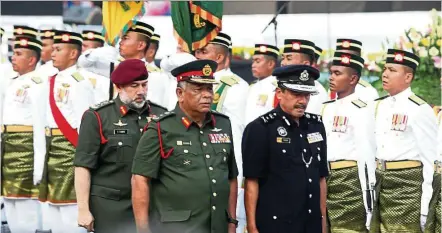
[(100, 105), (417, 99), (77, 76), (359, 103), (381, 98), (229, 80), (157, 105), (268, 117), (163, 116), (36, 80), (328, 102), (275, 83), (152, 68), (364, 83), (313, 117), (219, 114)]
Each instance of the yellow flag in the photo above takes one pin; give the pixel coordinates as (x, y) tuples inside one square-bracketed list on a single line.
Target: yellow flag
[(118, 17)]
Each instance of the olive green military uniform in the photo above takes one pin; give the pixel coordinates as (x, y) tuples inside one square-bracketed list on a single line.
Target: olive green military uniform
[(190, 169), (109, 135)]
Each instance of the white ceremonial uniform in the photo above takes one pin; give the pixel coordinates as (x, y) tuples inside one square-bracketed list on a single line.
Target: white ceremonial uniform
[(232, 103), (316, 100), (99, 60), (157, 84), (366, 91), (47, 70), (73, 97), (414, 138), (23, 213), (260, 98), (99, 83), (350, 136), (439, 137)]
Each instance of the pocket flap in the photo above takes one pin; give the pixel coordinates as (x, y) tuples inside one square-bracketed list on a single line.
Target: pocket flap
[(175, 215), (105, 192)]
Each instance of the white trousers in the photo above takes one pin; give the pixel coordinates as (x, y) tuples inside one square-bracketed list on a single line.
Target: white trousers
[(23, 215), (61, 218)]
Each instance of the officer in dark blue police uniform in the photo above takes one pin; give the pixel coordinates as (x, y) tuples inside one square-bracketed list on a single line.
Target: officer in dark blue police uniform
[(285, 160)]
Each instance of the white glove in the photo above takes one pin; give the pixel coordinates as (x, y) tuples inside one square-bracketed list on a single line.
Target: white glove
[(37, 179), (368, 221), (423, 221), (98, 60), (173, 61)]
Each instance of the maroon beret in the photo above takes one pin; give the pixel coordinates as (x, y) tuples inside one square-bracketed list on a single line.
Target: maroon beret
[(129, 71)]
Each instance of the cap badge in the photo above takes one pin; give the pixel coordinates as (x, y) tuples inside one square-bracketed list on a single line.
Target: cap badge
[(345, 60), (48, 34), (207, 70), (304, 76), (90, 35), (296, 46), (398, 57), (24, 42), (346, 44), (262, 49), (19, 30), (65, 37)]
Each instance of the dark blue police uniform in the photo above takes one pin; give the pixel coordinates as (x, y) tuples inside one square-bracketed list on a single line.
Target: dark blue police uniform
[(288, 160)]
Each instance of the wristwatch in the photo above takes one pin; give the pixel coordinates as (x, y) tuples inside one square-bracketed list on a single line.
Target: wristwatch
[(232, 220)]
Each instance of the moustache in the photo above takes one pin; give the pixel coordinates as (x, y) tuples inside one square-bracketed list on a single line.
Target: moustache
[(301, 106)]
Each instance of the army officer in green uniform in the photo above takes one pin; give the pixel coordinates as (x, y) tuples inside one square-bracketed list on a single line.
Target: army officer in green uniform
[(109, 134), (184, 170)]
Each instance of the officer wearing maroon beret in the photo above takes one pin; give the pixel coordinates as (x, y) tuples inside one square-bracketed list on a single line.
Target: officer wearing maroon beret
[(109, 135)]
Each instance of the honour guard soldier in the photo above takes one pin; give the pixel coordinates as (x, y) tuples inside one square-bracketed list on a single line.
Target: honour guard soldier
[(230, 97), (406, 140), (20, 194), (152, 52), (285, 160), (351, 146), (47, 68), (184, 167), (303, 52), (109, 135), (364, 89), (25, 31), (433, 224), (91, 40), (69, 95), (261, 96)]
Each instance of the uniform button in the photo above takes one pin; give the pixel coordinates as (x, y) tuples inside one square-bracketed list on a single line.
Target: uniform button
[(283, 151), (141, 130), (201, 132), (120, 143), (211, 168), (214, 207), (224, 150), (139, 117), (310, 195), (310, 180), (319, 148), (305, 150), (274, 217), (186, 151), (214, 194), (204, 144), (300, 135), (309, 211), (208, 156), (214, 181)]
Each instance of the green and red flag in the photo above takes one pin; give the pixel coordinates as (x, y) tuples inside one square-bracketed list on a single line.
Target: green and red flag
[(196, 23)]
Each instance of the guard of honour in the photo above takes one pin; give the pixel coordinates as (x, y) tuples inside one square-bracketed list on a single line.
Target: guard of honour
[(86, 149)]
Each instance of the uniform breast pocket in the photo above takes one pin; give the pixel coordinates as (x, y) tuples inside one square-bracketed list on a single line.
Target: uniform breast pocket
[(183, 159), (222, 153), (122, 147)]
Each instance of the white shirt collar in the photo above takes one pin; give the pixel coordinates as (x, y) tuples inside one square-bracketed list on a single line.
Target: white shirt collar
[(68, 71), (348, 98), (402, 95)]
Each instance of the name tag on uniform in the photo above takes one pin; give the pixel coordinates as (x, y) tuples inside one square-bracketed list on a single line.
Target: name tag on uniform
[(314, 137), (183, 143), (120, 131), (283, 140), (219, 138)]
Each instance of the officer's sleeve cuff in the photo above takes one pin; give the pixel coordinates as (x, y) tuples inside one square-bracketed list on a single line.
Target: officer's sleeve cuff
[(145, 169), (85, 160)]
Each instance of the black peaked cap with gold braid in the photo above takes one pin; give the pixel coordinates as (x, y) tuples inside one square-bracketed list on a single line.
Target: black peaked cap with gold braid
[(199, 71), (343, 45), (348, 60), (222, 39), (266, 49), (47, 34), (299, 46), (402, 58), (142, 28), (28, 43), (20, 30), (92, 36), (318, 52), (65, 37), (155, 39)]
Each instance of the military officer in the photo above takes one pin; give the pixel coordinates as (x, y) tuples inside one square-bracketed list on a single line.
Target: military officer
[(406, 140), (364, 89), (285, 160), (19, 192), (261, 96), (433, 224), (152, 52), (184, 167), (109, 135), (303, 52), (230, 97), (351, 146), (47, 68), (68, 95)]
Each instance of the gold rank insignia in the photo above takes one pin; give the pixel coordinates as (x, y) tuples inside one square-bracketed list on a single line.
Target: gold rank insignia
[(120, 124), (399, 122), (262, 99), (340, 124), (207, 70)]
